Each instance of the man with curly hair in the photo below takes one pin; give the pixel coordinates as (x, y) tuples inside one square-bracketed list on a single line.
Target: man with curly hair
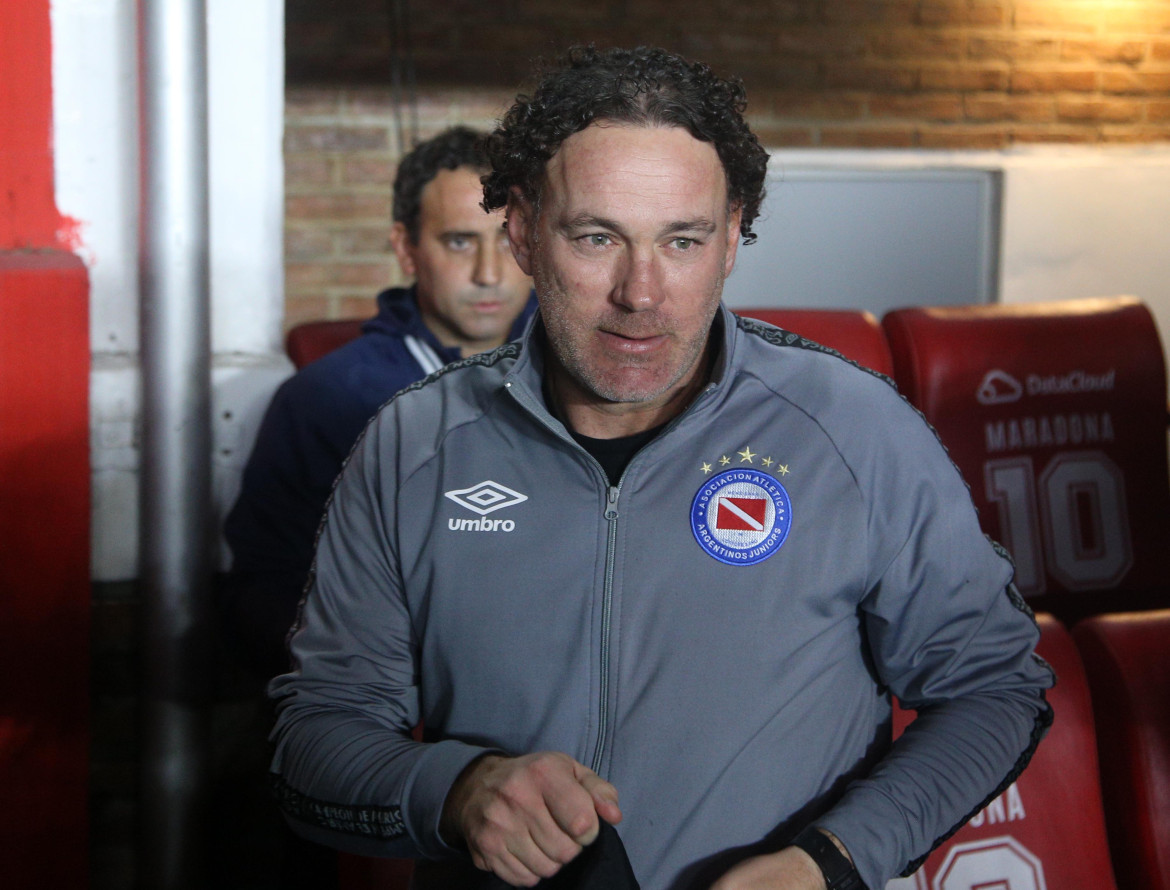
[(653, 550)]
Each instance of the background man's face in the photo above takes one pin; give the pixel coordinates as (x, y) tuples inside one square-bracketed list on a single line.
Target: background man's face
[(470, 289), (629, 252)]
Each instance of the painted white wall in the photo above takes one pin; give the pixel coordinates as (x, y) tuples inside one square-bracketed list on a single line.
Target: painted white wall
[(96, 151)]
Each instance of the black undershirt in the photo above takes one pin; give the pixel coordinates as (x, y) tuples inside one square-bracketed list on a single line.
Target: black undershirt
[(614, 455)]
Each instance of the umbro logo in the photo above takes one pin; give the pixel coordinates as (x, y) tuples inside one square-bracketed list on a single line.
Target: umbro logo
[(484, 498)]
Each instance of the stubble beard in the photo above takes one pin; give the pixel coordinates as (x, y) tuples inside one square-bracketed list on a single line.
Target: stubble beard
[(570, 344)]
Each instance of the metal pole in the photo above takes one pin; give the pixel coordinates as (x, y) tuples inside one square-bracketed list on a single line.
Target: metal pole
[(176, 442)]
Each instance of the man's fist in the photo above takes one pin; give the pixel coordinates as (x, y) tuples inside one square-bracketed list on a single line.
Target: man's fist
[(522, 818)]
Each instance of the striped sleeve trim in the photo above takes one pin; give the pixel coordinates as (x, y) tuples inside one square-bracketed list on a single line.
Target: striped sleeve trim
[(380, 823)]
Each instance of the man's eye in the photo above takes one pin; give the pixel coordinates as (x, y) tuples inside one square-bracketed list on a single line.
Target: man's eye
[(683, 243), (598, 240), (458, 242)]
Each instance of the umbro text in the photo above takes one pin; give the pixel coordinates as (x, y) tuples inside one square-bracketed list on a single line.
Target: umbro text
[(480, 525)]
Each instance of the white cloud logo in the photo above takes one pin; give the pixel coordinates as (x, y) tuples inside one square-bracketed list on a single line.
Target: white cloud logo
[(486, 497), (999, 388)]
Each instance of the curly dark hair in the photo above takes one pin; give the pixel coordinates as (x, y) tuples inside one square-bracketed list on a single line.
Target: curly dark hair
[(644, 86), (450, 150)]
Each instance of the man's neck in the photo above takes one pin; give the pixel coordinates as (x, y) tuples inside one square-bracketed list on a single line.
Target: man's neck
[(585, 413)]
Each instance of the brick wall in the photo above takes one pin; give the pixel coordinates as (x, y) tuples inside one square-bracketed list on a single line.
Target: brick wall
[(951, 74)]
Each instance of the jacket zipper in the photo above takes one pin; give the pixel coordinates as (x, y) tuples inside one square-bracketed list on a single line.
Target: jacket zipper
[(611, 516)]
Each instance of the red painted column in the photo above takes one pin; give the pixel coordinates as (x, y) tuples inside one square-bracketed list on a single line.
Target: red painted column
[(44, 484)]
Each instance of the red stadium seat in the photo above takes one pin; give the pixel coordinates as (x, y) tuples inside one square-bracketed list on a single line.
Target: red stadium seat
[(854, 334), (1127, 659), (309, 341), (1056, 415), (1047, 830)]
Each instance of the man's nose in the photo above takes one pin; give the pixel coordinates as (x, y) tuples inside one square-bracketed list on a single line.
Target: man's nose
[(488, 260), (639, 286)]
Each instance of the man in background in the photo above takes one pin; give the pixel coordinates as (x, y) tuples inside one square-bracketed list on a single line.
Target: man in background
[(469, 296)]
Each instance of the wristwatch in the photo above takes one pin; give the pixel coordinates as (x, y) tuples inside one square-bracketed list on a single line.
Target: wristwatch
[(834, 865)]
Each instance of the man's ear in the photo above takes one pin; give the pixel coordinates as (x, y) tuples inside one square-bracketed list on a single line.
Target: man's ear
[(520, 224), (403, 248), (733, 223)]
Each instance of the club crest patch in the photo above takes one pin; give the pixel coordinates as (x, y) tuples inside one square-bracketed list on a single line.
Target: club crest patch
[(741, 516)]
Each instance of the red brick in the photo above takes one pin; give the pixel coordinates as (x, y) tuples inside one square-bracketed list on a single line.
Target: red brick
[(350, 274), (1127, 52), (989, 13), (302, 244), (310, 102), (307, 170), (835, 43), (1054, 135), (1116, 111), (1135, 135), (1135, 82), (1067, 15), (915, 43), (962, 77), (818, 105), (1137, 18), (1013, 49), (339, 138), (871, 77), (298, 310), (368, 171), (337, 207), (1001, 107), (1053, 80), (305, 275), (963, 137), (357, 307), (867, 137), (867, 12), (935, 13), (919, 106), (776, 136), (356, 242)]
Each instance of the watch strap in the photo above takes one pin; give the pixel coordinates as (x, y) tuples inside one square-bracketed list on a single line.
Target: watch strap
[(838, 871)]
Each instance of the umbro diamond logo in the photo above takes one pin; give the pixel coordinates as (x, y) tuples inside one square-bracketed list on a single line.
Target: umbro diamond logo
[(486, 497)]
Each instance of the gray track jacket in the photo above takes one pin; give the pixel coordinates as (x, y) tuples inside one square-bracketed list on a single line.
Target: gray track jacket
[(718, 636)]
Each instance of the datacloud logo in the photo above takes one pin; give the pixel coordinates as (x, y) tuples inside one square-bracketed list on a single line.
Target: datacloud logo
[(1001, 388), (484, 498)]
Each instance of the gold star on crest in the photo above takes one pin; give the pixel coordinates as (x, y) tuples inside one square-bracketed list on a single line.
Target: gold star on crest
[(746, 455), (782, 469), (724, 461), (706, 468), (767, 461)]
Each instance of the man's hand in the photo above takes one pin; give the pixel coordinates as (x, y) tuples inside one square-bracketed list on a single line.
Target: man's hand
[(789, 869), (524, 817)]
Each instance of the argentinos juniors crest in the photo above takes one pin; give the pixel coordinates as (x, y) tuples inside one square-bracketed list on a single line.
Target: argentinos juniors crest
[(741, 516)]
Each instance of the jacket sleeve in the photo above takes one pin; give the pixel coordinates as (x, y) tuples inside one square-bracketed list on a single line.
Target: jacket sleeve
[(951, 638), (346, 771)]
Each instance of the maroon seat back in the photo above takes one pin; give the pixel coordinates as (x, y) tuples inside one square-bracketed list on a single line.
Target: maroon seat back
[(1047, 830), (1127, 659), (309, 341), (854, 334), (1056, 415)]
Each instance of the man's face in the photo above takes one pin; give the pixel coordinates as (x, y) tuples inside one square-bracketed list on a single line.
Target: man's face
[(470, 289), (629, 251)]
